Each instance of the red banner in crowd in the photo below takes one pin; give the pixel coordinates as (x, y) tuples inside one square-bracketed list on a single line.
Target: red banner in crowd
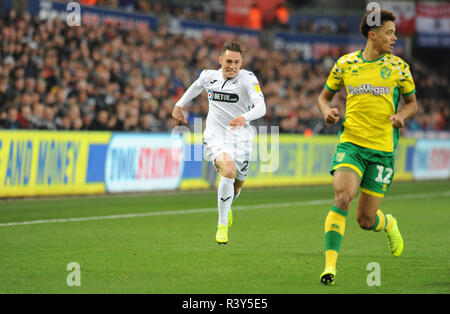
[(433, 17), (405, 13), (237, 11), (433, 24)]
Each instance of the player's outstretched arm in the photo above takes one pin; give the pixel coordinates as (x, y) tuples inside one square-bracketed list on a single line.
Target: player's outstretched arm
[(408, 110), (178, 115), (330, 115), (193, 91)]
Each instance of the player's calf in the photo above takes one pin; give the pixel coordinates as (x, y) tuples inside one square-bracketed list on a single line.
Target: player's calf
[(365, 222)]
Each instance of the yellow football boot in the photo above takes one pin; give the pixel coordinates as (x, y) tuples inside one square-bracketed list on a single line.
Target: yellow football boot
[(327, 277), (222, 234), (394, 238)]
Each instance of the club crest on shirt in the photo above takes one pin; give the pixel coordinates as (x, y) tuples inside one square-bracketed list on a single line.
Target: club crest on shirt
[(385, 72)]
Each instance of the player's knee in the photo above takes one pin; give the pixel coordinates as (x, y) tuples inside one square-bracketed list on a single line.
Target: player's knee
[(229, 171), (343, 199), (365, 222)]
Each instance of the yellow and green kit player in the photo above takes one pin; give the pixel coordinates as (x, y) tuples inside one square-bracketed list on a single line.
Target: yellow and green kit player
[(374, 79)]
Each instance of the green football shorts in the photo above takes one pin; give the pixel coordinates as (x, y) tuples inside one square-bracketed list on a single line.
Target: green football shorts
[(375, 168)]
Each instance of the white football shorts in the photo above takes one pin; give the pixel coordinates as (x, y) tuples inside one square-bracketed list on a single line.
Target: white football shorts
[(240, 152)]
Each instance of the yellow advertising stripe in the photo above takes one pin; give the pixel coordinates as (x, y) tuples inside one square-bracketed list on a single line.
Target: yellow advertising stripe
[(47, 163)]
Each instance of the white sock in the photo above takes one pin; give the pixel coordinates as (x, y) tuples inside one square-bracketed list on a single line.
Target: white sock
[(225, 195)]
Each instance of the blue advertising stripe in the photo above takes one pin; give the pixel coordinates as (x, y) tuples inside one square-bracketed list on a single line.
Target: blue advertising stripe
[(96, 163), (409, 159), (193, 164), (192, 169)]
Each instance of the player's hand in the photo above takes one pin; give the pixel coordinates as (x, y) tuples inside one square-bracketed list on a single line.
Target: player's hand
[(331, 116), (178, 115), (238, 122), (397, 121)]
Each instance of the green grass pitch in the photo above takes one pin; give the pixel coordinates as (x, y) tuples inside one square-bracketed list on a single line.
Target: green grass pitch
[(164, 243)]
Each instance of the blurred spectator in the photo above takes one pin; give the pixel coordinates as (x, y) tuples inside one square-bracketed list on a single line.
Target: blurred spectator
[(343, 27), (88, 2), (131, 122), (48, 121), (145, 123), (77, 124), (63, 120), (37, 115), (325, 26), (11, 121), (4, 91), (24, 117), (303, 25), (255, 17), (101, 121), (281, 16)]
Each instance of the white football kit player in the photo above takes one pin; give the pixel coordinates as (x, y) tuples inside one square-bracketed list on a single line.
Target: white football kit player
[(228, 99)]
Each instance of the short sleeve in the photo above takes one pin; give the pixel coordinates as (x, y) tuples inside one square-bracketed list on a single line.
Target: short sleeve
[(406, 82), (335, 80), (201, 79)]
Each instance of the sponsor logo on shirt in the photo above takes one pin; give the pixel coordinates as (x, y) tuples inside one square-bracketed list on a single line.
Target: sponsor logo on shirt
[(369, 89), (225, 97)]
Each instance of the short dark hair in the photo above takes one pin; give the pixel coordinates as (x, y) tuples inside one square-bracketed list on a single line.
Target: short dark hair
[(232, 46), (385, 16)]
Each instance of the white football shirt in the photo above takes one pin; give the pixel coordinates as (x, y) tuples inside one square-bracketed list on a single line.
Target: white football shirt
[(228, 99)]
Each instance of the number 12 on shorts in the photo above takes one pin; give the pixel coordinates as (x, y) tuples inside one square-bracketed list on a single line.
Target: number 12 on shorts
[(387, 178)]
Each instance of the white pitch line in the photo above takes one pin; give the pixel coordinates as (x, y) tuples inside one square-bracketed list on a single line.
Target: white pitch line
[(204, 210)]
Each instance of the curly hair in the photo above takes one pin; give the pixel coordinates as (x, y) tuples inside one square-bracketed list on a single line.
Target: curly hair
[(385, 16)]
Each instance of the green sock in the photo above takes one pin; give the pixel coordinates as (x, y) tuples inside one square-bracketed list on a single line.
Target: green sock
[(334, 232), (382, 222)]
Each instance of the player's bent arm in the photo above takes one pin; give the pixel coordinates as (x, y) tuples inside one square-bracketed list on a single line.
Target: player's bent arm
[(256, 98), (410, 107), (406, 112), (193, 91), (258, 110), (330, 115)]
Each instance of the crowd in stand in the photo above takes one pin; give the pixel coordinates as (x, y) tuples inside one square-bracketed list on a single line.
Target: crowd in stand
[(55, 77), (200, 10)]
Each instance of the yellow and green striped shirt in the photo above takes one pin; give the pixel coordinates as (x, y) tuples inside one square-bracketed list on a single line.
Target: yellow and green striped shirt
[(373, 94)]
